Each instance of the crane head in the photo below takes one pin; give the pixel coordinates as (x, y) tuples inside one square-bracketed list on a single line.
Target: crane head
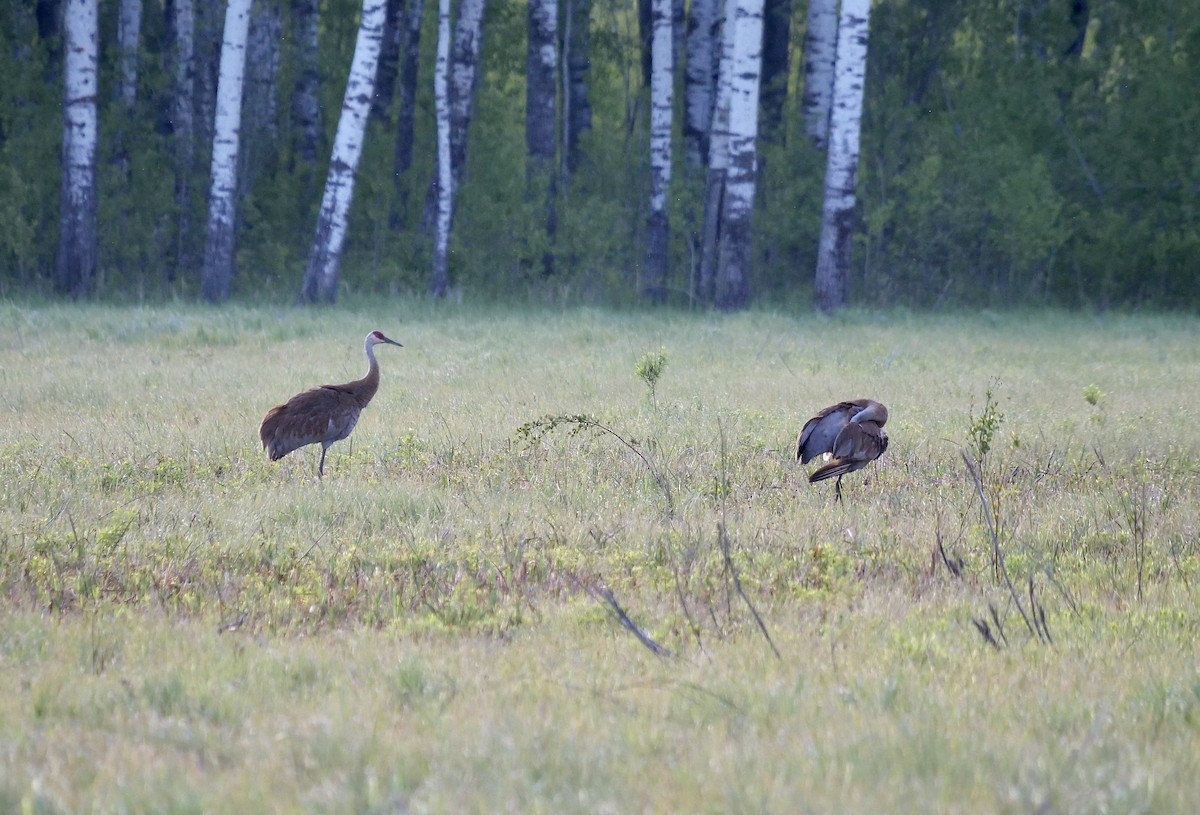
[(376, 337)]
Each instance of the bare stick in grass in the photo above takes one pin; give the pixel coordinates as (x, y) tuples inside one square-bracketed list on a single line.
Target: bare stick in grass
[(997, 555), (623, 618)]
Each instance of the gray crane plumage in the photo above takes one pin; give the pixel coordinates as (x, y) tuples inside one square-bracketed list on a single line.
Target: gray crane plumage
[(322, 415), (851, 433)]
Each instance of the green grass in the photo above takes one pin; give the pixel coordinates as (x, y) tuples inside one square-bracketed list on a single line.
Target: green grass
[(188, 627)]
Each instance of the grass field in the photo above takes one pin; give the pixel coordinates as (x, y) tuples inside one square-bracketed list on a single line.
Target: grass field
[(188, 627)]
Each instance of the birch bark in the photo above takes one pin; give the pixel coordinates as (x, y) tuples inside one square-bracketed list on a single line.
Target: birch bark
[(321, 277), (75, 266), (733, 271), (439, 280), (541, 114), (217, 275), (820, 49), (658, 233), (837, 213), (702, 38)]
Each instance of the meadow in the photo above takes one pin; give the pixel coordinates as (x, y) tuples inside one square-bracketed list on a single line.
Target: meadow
[(567, 563)]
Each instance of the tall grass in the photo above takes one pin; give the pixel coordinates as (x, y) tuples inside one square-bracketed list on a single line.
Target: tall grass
[(190, 627)]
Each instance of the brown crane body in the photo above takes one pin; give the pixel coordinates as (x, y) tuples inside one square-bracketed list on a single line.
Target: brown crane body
[(850, 433), (321, 415)]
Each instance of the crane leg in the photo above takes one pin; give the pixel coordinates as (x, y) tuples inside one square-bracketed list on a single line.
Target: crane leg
[(837, 490), (321, 466)]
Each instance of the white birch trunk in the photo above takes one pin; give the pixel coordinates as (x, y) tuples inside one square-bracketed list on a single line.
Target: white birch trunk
[(658, 235), (820, 49), (463, 78), (718, 154), (733, 271), (183, 132), (837, 214), (541, 114), (464, 74), (698, 84), (129, 27), (439, 281), (222, 201), (75, 271), (321, 278)]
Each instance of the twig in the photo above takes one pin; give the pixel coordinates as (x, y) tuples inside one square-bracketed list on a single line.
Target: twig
[(624, 620), (998, 556), (737, 584)]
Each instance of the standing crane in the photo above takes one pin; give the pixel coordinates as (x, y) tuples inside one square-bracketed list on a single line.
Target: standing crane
[(325, 414), (850, 433)]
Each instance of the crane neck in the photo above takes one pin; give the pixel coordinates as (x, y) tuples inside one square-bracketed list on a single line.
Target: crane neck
[(367, 386)]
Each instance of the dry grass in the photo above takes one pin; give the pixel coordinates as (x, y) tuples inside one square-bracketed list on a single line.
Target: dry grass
[(189, 628)]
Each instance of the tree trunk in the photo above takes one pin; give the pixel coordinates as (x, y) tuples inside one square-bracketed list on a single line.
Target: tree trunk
[(259, 128), (183, 24), (658, 233), (439, 280), (129, 26), (837, 214), (222, 201), (541, 83), (820, 49), (75, 267), (394, 26), (306, 118), (321, 278), (718, 155), (733, 270), (702, 39), (577, 41), (262, 71), (464, 78), (777, 19), (410, 62), (208, 41)]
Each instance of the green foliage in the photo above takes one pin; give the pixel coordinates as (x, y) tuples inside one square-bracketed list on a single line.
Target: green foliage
[(649, 369), (981, 429), (1019, 155)]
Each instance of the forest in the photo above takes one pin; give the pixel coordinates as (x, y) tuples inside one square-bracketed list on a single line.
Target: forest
[(1020, 152)]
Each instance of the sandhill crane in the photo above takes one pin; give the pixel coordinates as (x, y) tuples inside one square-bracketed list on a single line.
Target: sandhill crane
[(325, 414), (850, 432)]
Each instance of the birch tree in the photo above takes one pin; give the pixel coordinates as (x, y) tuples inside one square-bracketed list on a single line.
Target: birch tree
[(718, 156), (820, 48), (733, 270), (841, 171), (222, 199), (541, 103), (702, 39), (75, 266), (463, 81), (658, 232), (439, 280), (320, 280)]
